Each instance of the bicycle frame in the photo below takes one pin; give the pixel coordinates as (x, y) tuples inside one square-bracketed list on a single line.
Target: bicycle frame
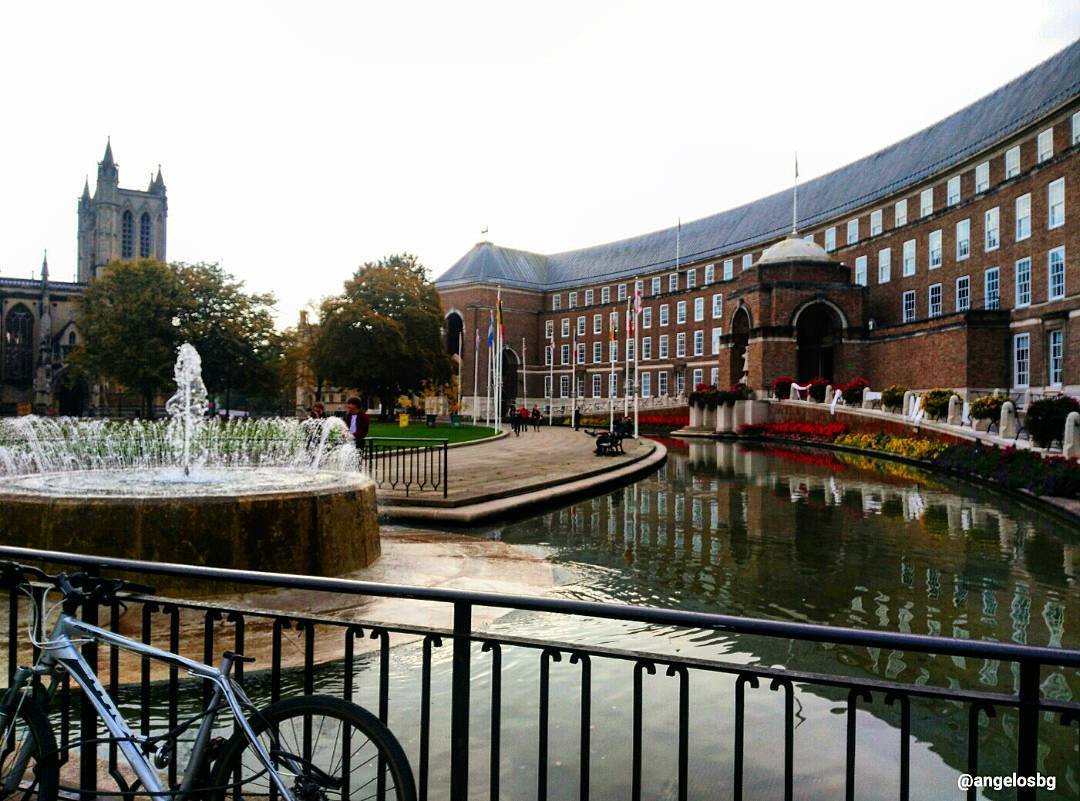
[(62, 650)]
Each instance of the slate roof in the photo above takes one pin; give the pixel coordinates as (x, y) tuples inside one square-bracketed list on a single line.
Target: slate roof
[(949, 142)]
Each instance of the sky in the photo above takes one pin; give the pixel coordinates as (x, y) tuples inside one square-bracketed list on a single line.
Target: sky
[(299, 140)]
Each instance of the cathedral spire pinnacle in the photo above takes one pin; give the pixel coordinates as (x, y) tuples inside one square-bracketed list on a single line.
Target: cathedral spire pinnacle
[(45, 267), (107, 161), (86, 189)]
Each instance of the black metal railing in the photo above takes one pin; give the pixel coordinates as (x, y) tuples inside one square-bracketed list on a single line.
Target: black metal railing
[(414, 464), (477, 687)]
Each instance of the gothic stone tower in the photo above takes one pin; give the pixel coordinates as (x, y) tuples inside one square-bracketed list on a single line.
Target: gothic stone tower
[(120, 223)]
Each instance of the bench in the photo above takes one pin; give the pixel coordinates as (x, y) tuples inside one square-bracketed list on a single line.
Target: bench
[(608, 443)]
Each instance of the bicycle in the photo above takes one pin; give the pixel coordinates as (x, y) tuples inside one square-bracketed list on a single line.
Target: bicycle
[(275, 752)]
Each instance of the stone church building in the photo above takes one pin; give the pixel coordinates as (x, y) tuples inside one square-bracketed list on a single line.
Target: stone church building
[(38, 325)]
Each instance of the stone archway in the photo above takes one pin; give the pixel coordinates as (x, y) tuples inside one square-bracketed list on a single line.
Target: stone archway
[(511, 380), (740, 341), (455, 326), (818, 340)]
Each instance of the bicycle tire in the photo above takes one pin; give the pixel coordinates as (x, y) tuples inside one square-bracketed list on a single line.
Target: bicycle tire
[(45, 764), (324, 707)]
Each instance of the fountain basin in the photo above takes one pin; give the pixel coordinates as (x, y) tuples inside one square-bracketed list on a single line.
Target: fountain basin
[(272, 519)]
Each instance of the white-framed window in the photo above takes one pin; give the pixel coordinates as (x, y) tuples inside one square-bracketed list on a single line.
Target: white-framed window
[(853, 231), (547, 386), (992, 288), (680, 312), (699, 343), (934, 248), (691, 278), (1023, 217), (699, 309), (909, 305), (729, 269), (952, 191), (664, 315), (1023, 282), (589, 297), (663, 352), (1021, 360), (717, 332), (622, 292), (581, 353), (581, 386), (699, 377), (963, 293), (680, 345), (963, 239), (909, 257), (673, 282), (717, 306), (680, 390), (808, 238), (556, 302), (630, 350), (1055, 203), (581, 326), (1076, 127), (564, 354), (646, 385), (830, 239), (926, 202), (710, 273), (860, 270), (875, 222), (646, 317), (564, 326), (564, 386), (605, 294), (991, 229), (662, 386), (900, 213), (549, 329), (1012, 162), (935, 300), (573, 300), (613, 350), (646, 348), (656, 285), (1055, 268), (1045, 142), (597, 384), (982, 177), (714, 376), (598, 323), (547, 355), (597, 352), (748, 261), (1055, 352), (884, 265)]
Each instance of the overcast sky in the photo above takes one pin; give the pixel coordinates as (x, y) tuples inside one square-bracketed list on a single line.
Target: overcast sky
[(298, 140)]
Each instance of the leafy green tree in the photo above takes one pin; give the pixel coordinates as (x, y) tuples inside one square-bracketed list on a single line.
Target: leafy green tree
[(129, 318), (383, 334)]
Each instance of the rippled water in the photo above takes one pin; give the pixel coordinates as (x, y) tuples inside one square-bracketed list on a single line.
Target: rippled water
[(783, 534)]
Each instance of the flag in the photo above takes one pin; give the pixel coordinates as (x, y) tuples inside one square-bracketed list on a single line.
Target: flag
[(499, 320), (491, 329), (629, 320), (477, 340), (796, 164), (613, 327)]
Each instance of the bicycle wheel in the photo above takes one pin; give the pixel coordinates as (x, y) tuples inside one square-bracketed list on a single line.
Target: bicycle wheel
[(323, 748), (29, 766)]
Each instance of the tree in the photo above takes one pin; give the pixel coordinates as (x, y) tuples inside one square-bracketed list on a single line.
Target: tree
[(383, 334), (129, 318)]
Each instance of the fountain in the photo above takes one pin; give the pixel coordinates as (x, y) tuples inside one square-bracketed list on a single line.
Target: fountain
[(274, 494)]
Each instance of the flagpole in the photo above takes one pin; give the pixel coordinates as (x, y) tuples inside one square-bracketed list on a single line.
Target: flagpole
[(461, 366), (626, 364), (611, 379), (551, 378), (475, 375), (795, 196), (524, 376), (637, 363), (573, 380)]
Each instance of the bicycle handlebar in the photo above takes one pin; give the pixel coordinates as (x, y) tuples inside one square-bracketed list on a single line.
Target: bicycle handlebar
[(77, 588)]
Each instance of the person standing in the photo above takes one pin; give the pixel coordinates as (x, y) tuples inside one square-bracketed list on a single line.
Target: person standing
[(523, 418), (536, 418), (357, 421), (577, 419), (511, 414), (317, 411)]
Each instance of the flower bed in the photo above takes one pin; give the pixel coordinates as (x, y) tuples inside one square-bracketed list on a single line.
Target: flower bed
[(812, 432), (910, 447), (1015, 469)]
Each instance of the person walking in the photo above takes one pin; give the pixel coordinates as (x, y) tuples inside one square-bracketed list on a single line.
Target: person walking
[(357, 421), (577, 419), (317, 411), (523, 418), (536, 418), (511, 413)]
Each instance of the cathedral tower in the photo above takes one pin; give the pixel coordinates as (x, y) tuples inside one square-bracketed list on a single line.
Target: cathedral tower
[(119, 223)]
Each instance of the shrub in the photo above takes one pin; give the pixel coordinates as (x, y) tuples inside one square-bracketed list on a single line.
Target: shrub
[(1046, 418), (853, 390), (910, 447), (987, 407), (892, 398), (818, 386), (936, 402), (1015, 469), (705, 395), (782, 387)]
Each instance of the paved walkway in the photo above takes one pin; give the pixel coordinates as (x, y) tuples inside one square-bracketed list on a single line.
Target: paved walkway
[(506, 475)]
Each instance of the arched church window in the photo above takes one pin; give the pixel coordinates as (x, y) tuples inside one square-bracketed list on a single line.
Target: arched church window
[(18, 344), (127, 236), (144, 236)]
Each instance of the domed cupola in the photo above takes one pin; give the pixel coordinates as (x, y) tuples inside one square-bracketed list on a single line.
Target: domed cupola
[(794, 248)]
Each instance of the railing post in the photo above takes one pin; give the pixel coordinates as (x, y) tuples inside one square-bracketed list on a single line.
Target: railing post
[(1027, 736), (88, 758), (445, 466), (459, 711)]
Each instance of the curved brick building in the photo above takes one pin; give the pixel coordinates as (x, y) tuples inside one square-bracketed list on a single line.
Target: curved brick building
[(946, 259)]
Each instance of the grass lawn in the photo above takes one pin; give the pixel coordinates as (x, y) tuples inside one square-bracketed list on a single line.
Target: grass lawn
[(462, 433)]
